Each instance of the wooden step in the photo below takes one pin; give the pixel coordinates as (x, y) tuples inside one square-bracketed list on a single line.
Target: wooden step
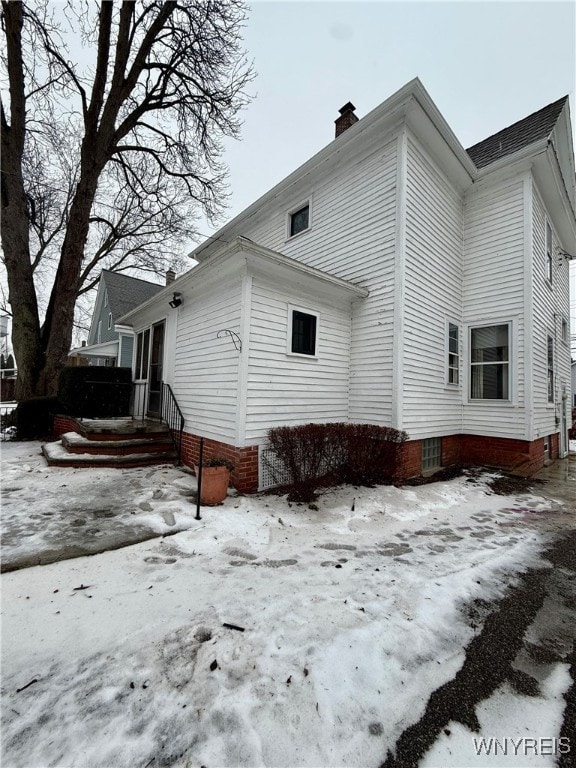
[(75, 443), (57, 456)]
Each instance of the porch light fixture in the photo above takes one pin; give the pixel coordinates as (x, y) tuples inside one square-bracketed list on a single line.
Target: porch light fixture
[(176, 301)]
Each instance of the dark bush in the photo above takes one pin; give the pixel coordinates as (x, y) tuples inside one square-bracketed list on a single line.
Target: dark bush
[(34, 417), (371, 454), (314, 455), (95, 391)]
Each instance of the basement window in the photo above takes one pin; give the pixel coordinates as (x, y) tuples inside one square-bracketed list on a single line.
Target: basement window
[(431, 454)]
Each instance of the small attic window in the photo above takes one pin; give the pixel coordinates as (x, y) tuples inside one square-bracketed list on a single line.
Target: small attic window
[(105, 298), (299, 220), (109, 320)]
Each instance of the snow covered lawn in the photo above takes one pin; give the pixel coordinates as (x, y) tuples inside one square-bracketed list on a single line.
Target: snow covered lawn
[(341, 622)]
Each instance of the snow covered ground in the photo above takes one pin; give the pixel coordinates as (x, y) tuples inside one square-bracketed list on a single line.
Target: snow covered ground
[(352, 614)]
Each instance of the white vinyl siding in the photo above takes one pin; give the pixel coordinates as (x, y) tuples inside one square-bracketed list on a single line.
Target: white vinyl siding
[(285, 389), (494, 245), (551, 305), (432, 292), (352, 237), (206, 367)]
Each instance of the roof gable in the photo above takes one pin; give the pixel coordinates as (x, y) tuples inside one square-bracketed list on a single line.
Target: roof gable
[(125, 292), (515, 137)]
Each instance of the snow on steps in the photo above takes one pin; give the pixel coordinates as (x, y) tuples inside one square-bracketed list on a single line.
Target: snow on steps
[(76, 451)]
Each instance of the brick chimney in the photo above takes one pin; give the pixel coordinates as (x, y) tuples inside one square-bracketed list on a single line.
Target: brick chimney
[(170, 276), (347, 118)]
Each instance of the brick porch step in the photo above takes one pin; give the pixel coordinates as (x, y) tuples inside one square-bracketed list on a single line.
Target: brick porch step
[(152, 443), (119, 429), (58, 456)]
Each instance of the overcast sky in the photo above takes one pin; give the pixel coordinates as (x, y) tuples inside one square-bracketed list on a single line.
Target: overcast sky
[(485, 65)]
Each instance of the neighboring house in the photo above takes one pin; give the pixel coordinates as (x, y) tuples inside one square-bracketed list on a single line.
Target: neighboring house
[(117, 295), (395, 279)]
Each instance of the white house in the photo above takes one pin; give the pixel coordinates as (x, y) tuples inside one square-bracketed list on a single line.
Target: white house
[(396, 279)]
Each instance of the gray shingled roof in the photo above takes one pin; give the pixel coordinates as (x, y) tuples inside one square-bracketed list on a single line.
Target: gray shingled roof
[(537, 126), (125, 292)]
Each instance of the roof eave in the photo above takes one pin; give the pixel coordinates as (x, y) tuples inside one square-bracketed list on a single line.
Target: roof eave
[(532, 150), (244, 244)]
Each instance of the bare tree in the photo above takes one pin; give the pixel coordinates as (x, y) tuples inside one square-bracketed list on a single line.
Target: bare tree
[(102, 163)]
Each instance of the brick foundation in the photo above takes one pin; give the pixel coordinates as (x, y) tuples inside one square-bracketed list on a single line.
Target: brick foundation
[(245, 474), (519, 456), (63, 424)]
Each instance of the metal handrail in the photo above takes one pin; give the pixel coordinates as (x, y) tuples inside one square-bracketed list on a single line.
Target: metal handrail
[(170, 413)]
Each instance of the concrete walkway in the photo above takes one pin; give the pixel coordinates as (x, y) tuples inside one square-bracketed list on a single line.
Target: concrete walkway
[(51, 514), (559, 480)]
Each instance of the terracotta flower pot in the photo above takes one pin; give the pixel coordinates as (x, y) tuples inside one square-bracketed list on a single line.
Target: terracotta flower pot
[(215, 482)]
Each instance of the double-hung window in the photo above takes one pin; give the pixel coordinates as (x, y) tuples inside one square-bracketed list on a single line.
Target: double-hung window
[(490, 362), (550, 368), (453, 354)]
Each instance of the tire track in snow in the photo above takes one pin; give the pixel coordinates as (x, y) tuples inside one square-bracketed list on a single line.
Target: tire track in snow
[(489, 658)]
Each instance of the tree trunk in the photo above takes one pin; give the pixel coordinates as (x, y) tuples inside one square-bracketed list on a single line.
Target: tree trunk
[(59, 321), (15, 231)]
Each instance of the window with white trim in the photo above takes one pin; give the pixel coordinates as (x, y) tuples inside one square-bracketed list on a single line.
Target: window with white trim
[(303, 332), (105, 298), (453, 354), (564, 331), (550, 367), (490, 362), (109, 320), (99, 332), (142, 354), (299, 220), (549, 260)]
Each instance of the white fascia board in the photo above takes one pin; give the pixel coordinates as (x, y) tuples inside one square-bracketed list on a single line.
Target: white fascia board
[(248, 248), (105, 349), (526, 153), (424, 101), (353, 139), (550, 184), (255, 252), (389, 111)]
